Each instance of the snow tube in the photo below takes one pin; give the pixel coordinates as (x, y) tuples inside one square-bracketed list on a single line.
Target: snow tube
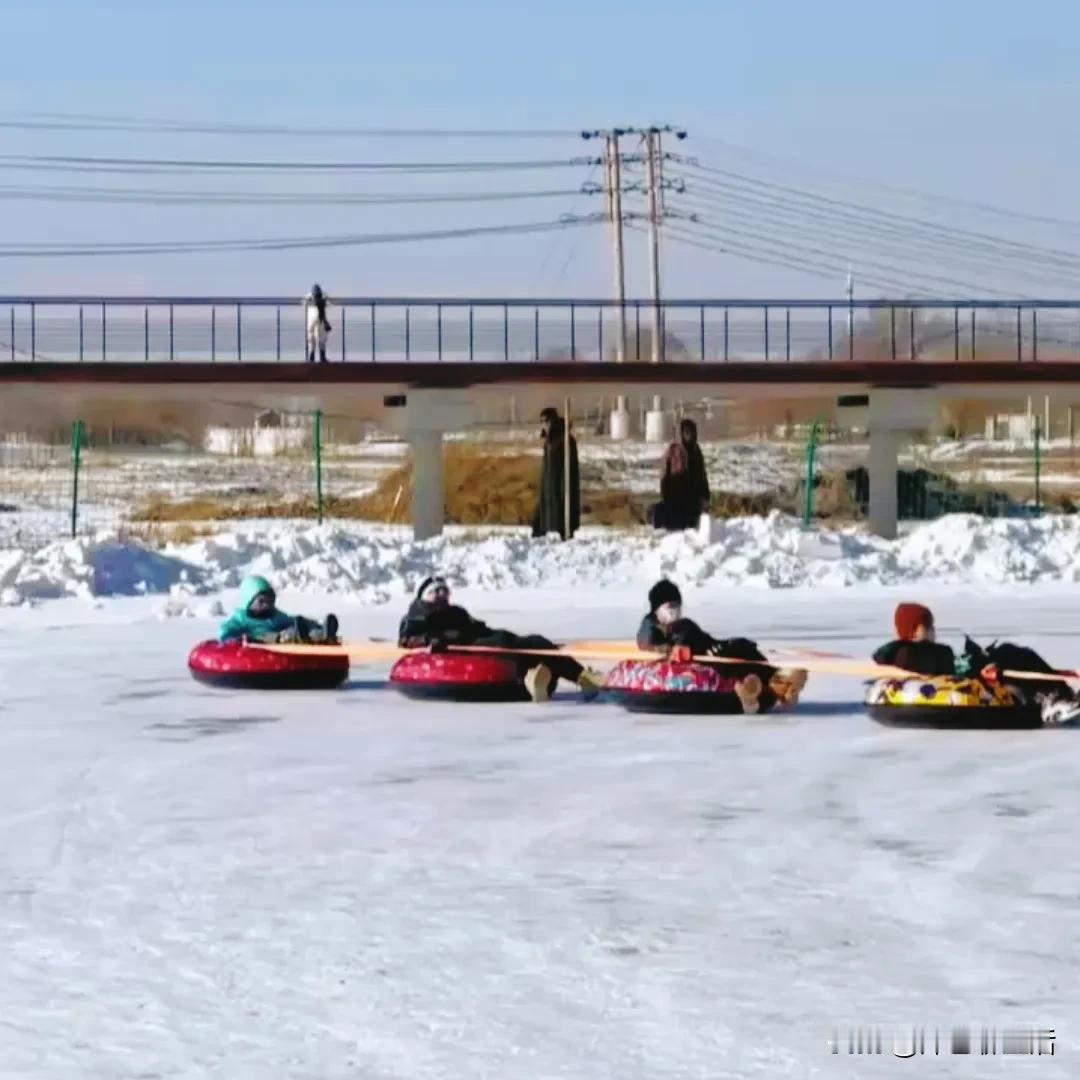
[(660, 686), (450, 676), (947, 702), (241, 667)]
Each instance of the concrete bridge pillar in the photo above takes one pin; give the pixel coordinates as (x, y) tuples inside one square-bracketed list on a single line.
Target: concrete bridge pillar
[(423, 417), (620, 419), (894, 415), (428, 484), (883, 470)]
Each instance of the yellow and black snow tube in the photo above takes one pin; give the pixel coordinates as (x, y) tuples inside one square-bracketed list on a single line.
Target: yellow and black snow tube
[(945, 701)]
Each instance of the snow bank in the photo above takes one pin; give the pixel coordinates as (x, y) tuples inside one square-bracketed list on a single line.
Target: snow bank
[(376, 564)]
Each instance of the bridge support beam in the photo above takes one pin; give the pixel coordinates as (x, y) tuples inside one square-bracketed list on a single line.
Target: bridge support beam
[(423, 418), (620, 419), (428, 484), (894, 416), (883, 470)]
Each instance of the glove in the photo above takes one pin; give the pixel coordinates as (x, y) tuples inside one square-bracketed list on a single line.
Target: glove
[(289, 636), (681, 654)]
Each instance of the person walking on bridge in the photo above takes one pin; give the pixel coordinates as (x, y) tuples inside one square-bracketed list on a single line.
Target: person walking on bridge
[(317, 324)]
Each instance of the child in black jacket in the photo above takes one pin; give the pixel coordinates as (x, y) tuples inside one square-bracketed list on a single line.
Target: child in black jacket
[(664, 629), (434, 622)]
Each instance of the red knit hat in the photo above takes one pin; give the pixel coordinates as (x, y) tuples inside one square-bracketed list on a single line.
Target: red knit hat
[(908, 619)]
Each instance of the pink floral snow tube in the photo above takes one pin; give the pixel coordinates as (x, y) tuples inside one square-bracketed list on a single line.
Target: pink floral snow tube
[(663, 686)]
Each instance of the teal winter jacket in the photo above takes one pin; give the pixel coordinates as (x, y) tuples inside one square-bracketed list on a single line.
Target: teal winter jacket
[(241, 624)]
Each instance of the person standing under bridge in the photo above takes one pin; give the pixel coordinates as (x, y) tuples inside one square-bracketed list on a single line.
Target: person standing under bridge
[(318, 327), (550, 515)]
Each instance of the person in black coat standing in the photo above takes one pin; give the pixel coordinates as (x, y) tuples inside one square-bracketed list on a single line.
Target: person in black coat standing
[(684, 487), (550, 513)]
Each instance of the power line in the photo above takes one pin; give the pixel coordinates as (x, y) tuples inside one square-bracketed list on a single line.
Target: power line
[(720, 232), (926, 197), (161, 197), (81, 163), (721, 195), (848, 238), (92, 122), (282, 244), (902, 218), (771, 257)]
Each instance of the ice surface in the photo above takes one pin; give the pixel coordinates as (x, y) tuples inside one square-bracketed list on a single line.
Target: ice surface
[(198, 884)]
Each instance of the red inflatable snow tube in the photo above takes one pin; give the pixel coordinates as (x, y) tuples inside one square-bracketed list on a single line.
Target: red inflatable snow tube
[(243, 667), (660, 686), (450, 676)]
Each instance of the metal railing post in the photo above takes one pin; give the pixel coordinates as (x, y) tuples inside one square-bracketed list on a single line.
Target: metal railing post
[(33, 331)]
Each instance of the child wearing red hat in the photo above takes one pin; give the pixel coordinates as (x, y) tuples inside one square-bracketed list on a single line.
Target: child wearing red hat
[(916, 648)]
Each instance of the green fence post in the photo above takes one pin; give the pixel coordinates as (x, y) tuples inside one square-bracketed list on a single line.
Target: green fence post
[(76, 463), (318, 464), (811, 453), (1038, 469)]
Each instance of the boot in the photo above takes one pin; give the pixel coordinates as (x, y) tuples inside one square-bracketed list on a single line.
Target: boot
[(538, 683), (322, 356), (331, 625), (590, 683), (787, 685), (748, 691)]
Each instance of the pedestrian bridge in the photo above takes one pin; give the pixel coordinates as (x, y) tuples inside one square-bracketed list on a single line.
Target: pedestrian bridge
[(424, 366)]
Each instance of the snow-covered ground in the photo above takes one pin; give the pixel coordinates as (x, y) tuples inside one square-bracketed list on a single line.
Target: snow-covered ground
[(196, 883)]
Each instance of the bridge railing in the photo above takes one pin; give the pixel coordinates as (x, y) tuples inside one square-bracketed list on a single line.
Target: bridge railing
[(271, 329)]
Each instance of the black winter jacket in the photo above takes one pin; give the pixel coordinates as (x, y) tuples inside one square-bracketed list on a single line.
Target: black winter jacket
[(425, 624), (922, 657)]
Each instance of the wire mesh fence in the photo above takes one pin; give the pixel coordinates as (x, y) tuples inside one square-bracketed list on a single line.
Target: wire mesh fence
[(310, 467)]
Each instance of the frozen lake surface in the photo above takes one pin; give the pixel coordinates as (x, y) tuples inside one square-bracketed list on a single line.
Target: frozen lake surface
[(196, 883)]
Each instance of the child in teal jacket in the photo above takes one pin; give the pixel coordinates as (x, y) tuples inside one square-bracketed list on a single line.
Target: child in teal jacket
[(258, 619)]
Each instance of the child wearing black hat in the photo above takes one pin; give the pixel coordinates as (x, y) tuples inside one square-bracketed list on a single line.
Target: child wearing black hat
[(664, 629), (434, 622)]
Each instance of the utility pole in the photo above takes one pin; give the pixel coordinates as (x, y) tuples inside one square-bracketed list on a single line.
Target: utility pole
[(654, 178), (615, 215)]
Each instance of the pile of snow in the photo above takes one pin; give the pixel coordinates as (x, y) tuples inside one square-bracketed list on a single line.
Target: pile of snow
[(377, 564)]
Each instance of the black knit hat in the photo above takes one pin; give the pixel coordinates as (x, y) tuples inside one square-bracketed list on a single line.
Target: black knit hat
[(435, 579), (664, 592)]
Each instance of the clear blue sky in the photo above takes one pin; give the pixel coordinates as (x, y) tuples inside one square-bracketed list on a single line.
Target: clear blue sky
[(968, 98)]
